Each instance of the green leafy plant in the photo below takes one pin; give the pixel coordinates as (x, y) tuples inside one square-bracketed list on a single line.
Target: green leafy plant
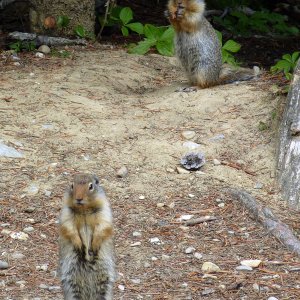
[(81, 32), (20, 45), (122, 17), (287, 64), (17, 46), (62, 21), (261, 21), (160, 38), (228, 50), (262, 126)]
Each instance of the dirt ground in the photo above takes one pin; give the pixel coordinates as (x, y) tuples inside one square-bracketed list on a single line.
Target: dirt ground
[(104, 109)]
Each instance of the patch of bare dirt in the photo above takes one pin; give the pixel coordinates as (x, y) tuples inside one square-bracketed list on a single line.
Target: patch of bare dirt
[(104, 109)]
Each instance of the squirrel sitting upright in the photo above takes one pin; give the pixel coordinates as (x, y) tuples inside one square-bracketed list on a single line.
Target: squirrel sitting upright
[(198, 47), (86, 253)]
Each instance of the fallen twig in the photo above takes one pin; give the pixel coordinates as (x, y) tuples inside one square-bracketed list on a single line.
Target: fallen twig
[(200, 220), (270, 222), (45, 40), (237, 166)]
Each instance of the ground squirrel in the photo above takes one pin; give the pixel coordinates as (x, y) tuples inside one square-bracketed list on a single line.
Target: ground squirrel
[(86, 255), (198, 47)]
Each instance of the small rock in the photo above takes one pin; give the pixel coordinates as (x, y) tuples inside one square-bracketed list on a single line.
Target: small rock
[(9, 151), (258, 185), (53, 273), (189, 250), (165, 257), (184, 285), (121, 287), (54, 288), (29, 209), (221, 205), (48, 193), (188, 134), (3, 265), (244, 268), (31, 221), (155, 240), (17, 255), (153, 258), (19, 236), (40, 55), (209, 276), (160, 205), (5, 225), (122, 172), (171, 205), (185, 217), (256, 71), (193, 160), (6, 231), (198, 255), (50, 127), (44, 49), (207, 291), (191, 195), (43, 236), (147, 265), (253, 263), (21, 282), (255, 287), (43, 267), (191, 145), (170, 170), (136, 234), (216, 162), (200, 173), (272, 298), (142, 197), (136, 281), (181, 170), (209, 267), (43, 286), (32, 189), (136, 244), (28, 229), (217, 138)]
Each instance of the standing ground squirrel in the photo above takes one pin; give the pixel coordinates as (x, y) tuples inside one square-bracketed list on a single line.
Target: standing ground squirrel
[(86, 251), (198, 47)]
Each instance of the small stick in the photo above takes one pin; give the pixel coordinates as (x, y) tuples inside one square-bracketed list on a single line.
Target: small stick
[(200, 220)]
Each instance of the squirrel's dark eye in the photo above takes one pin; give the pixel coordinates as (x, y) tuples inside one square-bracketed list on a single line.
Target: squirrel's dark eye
[(91, 187), (72, 186)]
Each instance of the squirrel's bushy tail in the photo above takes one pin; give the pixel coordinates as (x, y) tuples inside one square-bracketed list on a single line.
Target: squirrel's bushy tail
[(230, 74)]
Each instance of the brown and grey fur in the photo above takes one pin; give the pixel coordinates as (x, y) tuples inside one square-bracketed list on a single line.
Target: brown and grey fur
[(198, 47), (86, 251)]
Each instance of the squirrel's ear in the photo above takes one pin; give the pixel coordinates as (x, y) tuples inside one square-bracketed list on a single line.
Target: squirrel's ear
[(96, 179)]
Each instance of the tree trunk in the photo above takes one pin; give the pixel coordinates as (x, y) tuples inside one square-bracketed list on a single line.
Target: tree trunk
[(79, 12), (289, 145)]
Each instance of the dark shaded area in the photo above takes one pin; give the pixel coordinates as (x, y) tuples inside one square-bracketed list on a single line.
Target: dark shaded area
[(256, 50)]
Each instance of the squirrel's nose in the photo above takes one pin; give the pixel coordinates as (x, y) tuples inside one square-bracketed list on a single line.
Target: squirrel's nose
[(79, 201)]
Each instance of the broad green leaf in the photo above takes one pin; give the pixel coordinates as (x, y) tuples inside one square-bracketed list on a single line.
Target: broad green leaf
[(80, 31), (232, 46), (126, 15), (287, 57), (168, 34), (295, 57), (153, 32), (63, 21), (136, 27), (125, 31), (142, 47), (165, 48)]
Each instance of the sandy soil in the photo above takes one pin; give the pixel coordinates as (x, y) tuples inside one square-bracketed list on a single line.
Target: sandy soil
[(105, 109)]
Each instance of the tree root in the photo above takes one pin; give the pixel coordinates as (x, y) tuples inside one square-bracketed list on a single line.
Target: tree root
[(266, 217)]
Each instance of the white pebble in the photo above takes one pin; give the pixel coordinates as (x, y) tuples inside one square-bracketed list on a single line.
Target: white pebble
[(153, 258), (142, 197), (136, 244), (210, 267), (243, 268), (155, 240), (189, 250), (191, 195), (28, 229), (216, 162), (198, 255), (136, 234), (188, 134), (160, 204)]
